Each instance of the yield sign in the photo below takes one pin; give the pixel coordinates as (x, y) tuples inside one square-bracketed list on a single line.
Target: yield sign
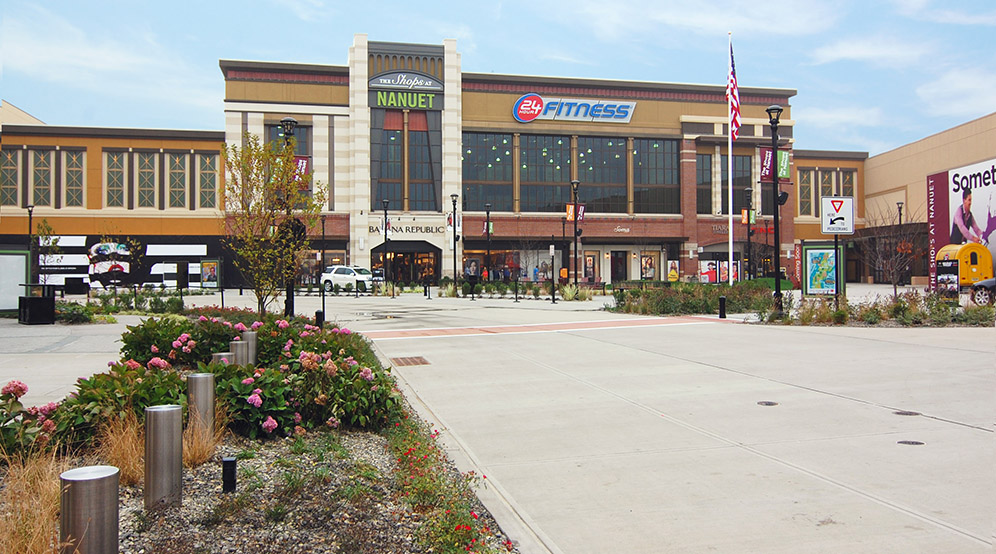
[(837, 215)]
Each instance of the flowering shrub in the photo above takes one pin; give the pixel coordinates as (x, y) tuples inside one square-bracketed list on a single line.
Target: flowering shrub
[(177, 339), (126, 386), (260, 402), (334, 387), (21, 429)]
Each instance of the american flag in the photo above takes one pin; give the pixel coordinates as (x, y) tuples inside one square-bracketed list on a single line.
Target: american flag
[(733, 98)]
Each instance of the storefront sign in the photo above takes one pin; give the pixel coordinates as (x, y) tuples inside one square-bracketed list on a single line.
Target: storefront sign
[(410, 229), (530, 107), (621, 229), (405, 80), (403, 100)]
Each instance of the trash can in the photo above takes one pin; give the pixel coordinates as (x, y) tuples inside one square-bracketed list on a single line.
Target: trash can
[(38, 307)]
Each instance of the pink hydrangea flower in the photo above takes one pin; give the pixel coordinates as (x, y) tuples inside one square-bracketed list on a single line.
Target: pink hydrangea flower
[(257, 391), (366, 374), (282, 324), (305, 334), (202, 318), (351, 361), (133, 365), (47, 409), (332, 422), (270, 424), (255, 400), (192, 344), (214, 320), (154, 349), (256, 325), (240, 327), (186, 349), (48, 426), (15, 387), (248, 381), (297, 418), (227, 324), (184, 337), (177, 344), (158, 363)]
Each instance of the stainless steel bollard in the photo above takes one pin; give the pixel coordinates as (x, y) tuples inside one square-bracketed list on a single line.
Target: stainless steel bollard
[(223, 358), (241, 350), (200, 401), (251, 338), (163, 455), (88, 522)]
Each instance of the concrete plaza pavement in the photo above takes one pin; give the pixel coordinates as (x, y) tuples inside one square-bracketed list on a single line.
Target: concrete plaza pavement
[(600, 435)]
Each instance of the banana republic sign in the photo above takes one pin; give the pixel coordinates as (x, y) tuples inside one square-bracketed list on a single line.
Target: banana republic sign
[(406, 90)]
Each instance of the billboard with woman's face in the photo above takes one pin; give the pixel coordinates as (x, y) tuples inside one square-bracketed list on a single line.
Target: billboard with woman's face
[(961, 208), (110, 263)]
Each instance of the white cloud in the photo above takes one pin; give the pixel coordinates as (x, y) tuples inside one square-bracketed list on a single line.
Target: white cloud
[(880, 51), (837, 118), (42, 45), (621, 19), (305, 10), (960, 92), (921, 10)]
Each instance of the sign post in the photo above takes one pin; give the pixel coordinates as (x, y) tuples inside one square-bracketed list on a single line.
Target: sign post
[(837, 217)]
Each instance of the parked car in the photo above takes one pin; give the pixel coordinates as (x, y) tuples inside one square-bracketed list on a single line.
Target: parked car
[(982, 291), (354, 276)]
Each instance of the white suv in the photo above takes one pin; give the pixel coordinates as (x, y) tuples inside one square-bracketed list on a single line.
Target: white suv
[(343, 274)]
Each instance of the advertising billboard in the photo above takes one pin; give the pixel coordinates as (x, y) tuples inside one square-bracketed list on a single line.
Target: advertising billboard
[(960, 209)]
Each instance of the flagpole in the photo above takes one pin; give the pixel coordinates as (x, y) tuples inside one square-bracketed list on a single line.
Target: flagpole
[(729, 159)]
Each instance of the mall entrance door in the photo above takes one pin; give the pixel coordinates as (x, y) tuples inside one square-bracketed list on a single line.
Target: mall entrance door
[(409, 261), (619, 266)]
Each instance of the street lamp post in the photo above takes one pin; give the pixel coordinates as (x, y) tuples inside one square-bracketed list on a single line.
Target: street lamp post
[(288, 124), (775, 112), (387, 244), (563, 242), (454, 197), (900, 206), (574, 193), (31, 246), (487, 227), (749, 255), (321, 267)]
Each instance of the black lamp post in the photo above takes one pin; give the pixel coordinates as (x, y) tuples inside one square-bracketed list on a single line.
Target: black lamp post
[(900, 206), (387, 244), (749, 256), (454, 197), (487, 228), (31, 247), (288, 124), (563, 242), (775, 112), (574, 193), (321, 267)]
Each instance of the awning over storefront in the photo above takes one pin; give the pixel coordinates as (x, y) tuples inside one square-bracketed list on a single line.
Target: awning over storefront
[(405, 246)]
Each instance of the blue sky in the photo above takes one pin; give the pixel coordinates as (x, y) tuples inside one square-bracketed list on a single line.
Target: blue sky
[(871, 75)]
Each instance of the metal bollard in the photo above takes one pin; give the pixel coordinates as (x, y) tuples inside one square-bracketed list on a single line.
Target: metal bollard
[(722, 307), (200, 401), (241, 350), (88, 520), (223, 357), (163, 455), (228, 475), (251, 338), (319, 319)]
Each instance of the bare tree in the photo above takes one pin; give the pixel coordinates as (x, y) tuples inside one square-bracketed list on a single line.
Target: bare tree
[(48, 248), (887, 246), (269, 205)]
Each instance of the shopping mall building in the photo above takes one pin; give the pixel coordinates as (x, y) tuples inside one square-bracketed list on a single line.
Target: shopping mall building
[(403, 138)]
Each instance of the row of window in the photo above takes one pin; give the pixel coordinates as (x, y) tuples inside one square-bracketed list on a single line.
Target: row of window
[(544, 173), (815, 184), (57, 178)]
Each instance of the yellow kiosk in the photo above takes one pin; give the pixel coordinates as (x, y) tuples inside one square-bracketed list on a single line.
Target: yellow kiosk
[(974, 262)]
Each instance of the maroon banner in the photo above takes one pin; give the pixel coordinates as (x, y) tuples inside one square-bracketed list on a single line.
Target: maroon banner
[(938, 221)]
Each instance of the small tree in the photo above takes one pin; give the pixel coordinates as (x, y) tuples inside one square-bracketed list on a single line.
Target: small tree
[(48, 248), (268, 207), (887, 246)]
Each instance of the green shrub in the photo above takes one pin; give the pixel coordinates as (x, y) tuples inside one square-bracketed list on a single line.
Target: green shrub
[(872, 315), (361, 286), (502, 288), (490, 288), (126, 386), (336, 288), (174, 304), (73, 312), (259, 402), (839, 317), (348, 287), (157, 305), (478, 289), (976, 316), (20, 428)]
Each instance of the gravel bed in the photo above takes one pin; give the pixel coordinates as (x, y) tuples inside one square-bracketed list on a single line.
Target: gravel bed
[(334, 493)]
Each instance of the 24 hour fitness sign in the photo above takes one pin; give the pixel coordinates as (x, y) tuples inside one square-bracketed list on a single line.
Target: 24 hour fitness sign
[(532, 106)]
